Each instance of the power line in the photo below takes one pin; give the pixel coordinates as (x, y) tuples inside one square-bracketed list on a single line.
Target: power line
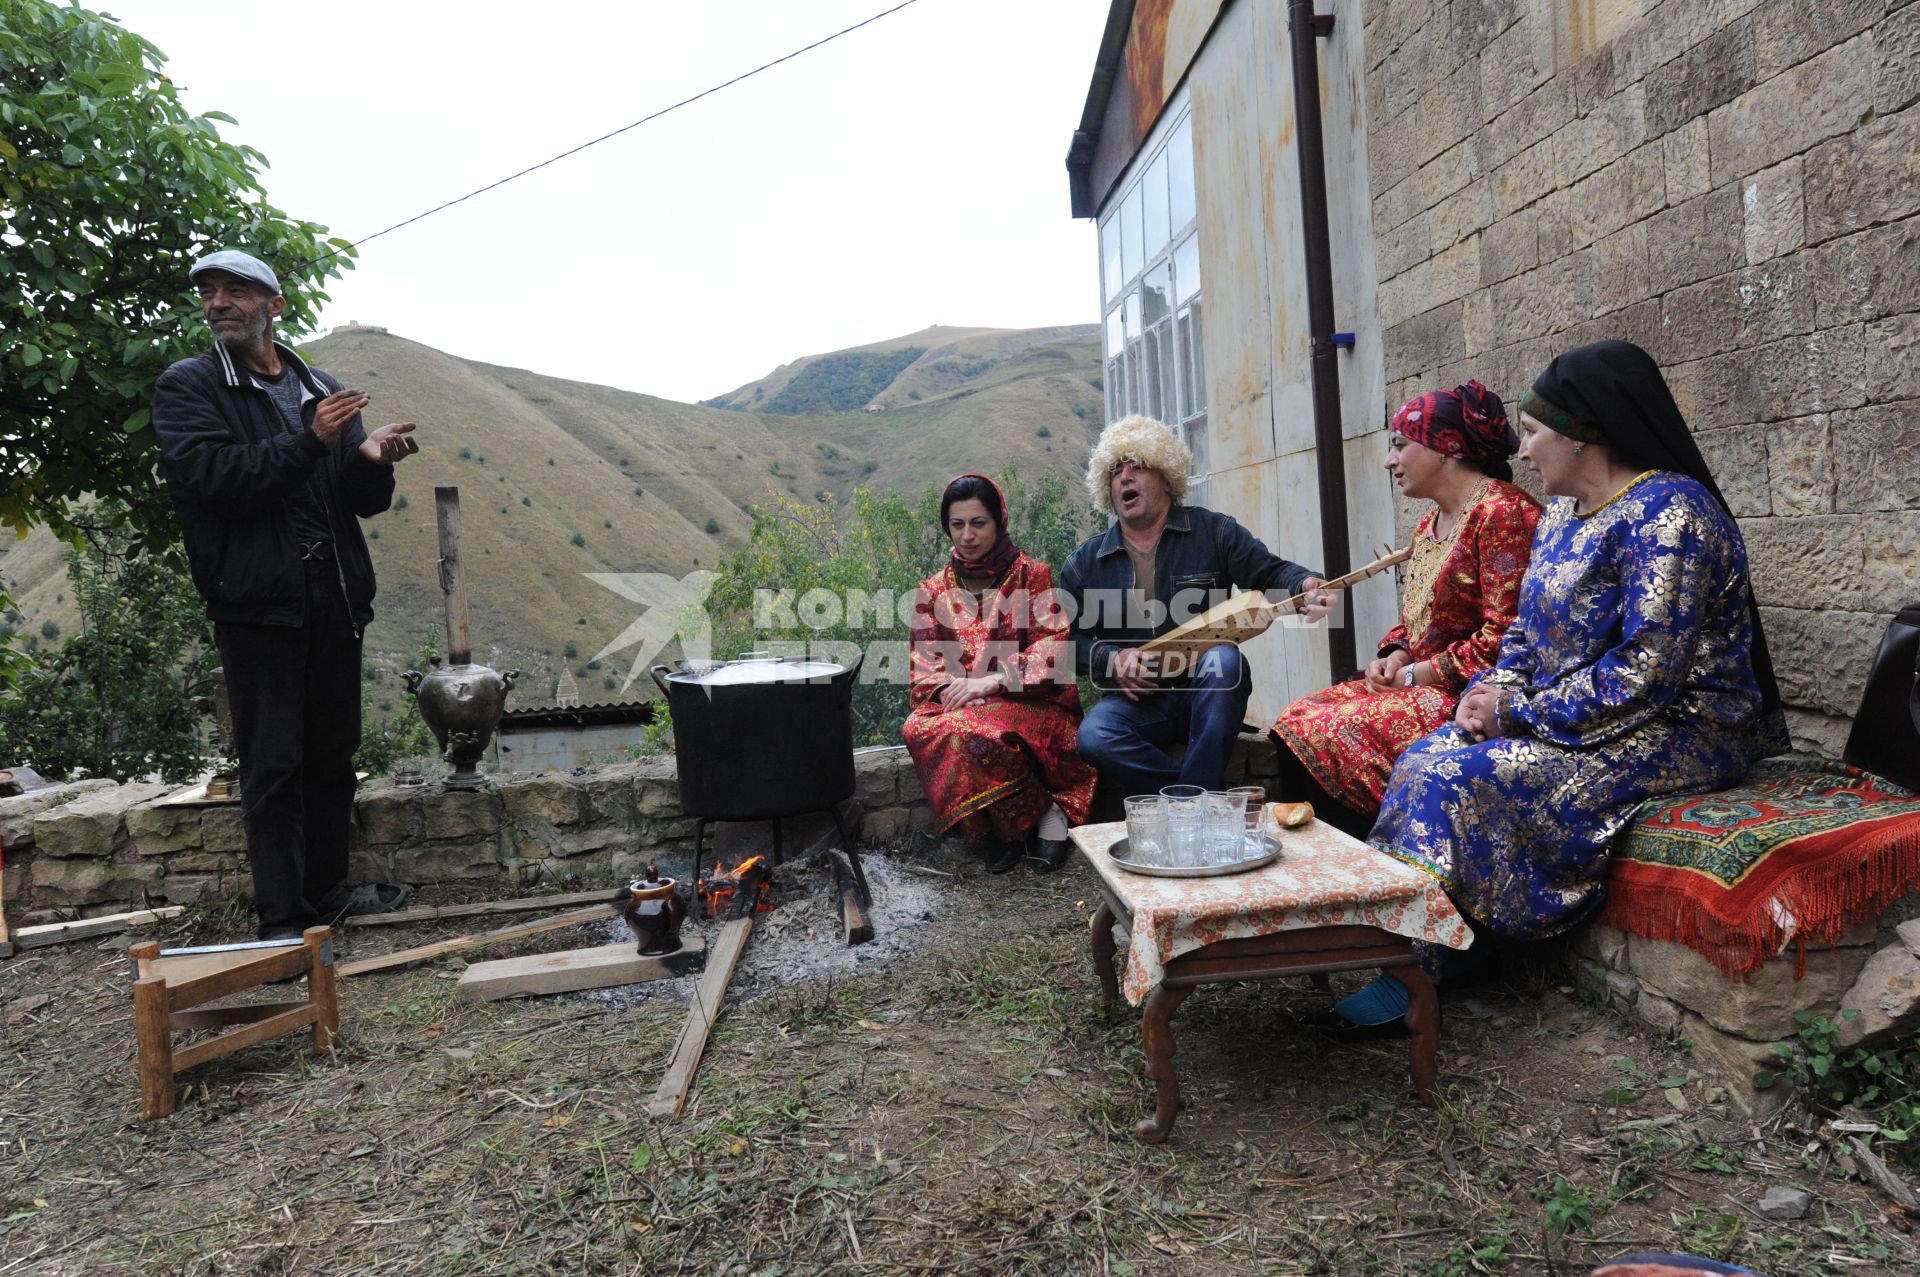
[(665, 110)]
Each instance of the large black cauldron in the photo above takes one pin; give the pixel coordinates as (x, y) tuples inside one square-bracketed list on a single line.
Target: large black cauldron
[(761, 737)]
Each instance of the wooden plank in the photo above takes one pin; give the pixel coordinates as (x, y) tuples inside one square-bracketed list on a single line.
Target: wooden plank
[(453, 575), (478, 940), (87, 928), (853, 915), (225, 1017), (692, 1042), (192, 990), (259, 1031), (574, 969), (522, 904)]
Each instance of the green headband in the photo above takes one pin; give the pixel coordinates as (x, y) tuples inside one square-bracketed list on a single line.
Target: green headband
[(1560, 421)]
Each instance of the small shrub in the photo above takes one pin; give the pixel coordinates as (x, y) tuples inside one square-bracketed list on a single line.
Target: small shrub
[(828, 451), (713, 525), (868, 467), (526, 501), (639, 491), (578, 539), (1043, 433), (400, 501), (607, 522), (914, 395), (49, 630), (466, 454), (571, 650), (549, 460), (373, 534)]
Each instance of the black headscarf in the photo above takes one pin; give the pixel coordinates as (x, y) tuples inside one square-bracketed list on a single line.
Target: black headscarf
[(1612, 393)]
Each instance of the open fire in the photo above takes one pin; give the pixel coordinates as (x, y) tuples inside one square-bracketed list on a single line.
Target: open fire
[(718, 885)]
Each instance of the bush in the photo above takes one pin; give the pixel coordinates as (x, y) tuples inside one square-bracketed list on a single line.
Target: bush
[(1043, 433), (713, 525), (639, 491), (571, 650), (842, 382), (578, 539), (49, 630), (526, 501), (466, 454), (400, 501), (828, 451)]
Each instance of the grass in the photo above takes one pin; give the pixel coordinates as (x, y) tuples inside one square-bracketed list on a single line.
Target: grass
[(968, 1111)]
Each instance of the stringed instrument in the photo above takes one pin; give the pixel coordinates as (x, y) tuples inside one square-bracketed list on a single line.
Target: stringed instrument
[(1248, 615)]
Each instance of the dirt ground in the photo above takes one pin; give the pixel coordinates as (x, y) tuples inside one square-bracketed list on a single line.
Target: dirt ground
[(956, 1104)]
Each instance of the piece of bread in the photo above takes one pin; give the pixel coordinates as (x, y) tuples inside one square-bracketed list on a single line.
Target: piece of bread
[(1290, 815)]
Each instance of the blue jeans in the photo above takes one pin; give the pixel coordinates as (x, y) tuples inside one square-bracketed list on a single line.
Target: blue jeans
[(1126, 741)]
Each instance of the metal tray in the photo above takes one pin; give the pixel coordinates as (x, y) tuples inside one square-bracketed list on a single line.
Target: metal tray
[(1119, 854)]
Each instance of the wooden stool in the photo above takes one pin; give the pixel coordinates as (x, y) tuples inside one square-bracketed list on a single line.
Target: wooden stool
[(171, 989)]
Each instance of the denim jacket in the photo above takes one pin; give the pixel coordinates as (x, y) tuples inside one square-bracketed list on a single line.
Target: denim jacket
[(1202, 557)]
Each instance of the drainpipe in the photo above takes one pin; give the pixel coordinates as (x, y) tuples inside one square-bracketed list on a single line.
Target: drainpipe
[(1303, 28)]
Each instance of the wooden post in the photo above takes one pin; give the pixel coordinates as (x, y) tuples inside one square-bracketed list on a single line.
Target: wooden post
[(322, 991), (153, 1030), (453, 577)]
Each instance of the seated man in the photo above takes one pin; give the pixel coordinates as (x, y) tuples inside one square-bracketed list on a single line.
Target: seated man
[(1159, 564)]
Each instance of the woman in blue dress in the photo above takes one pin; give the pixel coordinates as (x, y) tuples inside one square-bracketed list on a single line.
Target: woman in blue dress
[(1635, 668)]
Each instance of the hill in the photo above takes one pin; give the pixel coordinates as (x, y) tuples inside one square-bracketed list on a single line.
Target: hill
[(558, 478)]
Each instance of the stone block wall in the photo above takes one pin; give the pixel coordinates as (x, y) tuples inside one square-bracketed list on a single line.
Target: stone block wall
[(1732, 184)]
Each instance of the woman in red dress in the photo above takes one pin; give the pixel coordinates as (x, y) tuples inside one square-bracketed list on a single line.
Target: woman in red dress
[(995, 710), (1460, 591)]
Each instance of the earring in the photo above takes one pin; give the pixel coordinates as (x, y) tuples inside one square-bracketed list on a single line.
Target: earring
[(1579, 448)]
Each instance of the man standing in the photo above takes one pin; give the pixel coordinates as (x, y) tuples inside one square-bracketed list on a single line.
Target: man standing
[(1159, 564), (270, 469)]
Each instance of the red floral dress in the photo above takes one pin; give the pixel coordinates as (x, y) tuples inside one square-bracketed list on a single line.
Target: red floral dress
[(994, 768), (1459, 595)]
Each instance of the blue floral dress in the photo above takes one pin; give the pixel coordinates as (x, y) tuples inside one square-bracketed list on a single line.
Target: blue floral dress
[(1629, 672)]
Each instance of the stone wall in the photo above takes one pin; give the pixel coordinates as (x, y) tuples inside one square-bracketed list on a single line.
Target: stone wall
[(1732, 184), (100, 846)]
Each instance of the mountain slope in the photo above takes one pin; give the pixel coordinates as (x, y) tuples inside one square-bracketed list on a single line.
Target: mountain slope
[(560, 478)]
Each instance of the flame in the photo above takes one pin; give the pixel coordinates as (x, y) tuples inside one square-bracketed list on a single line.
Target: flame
[(717, 885)]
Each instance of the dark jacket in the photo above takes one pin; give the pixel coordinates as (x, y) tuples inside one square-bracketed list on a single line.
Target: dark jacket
[(1201, 558), (230, 463)]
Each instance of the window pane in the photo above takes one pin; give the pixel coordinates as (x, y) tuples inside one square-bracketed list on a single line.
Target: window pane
[(1154, 290), (1183, 339), (1153, 369), (1186, 269), (1133, 376), (1115, 338), (1132, 310), (1153, 214), (1115, 381), (1110, 278), (1199, 443), (1130, 259), (1180, 174), (1163, 363)]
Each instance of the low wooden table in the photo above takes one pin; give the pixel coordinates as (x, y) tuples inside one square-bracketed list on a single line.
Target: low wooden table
[(1329, 903)]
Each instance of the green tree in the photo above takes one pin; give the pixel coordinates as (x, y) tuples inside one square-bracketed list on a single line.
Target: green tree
[(109, 189), (123, 697)]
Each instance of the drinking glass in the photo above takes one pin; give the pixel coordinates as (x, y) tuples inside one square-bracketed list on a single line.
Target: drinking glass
[(1256, 798), (1224, 827), (1147, 829), (1184, 816)]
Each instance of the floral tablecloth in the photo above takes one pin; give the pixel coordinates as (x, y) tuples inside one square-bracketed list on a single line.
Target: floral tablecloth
[(1323, 878)]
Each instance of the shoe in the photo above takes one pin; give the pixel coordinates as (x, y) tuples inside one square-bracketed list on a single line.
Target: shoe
[(366, 899), (1378, 1010), (1050, 854), (1006, 857)]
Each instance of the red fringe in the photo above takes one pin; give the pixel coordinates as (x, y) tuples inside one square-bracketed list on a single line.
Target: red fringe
[(1853, 884)]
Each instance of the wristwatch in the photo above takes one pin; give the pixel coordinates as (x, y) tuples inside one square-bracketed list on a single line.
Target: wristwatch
[(1406, 675)]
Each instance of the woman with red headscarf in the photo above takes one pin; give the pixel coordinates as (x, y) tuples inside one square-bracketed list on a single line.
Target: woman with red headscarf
[(996, 712), (1461, 588)]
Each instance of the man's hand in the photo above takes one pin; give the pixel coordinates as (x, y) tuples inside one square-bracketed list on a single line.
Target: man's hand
[(1130, 672), (1384, 674), (333, 413), (963, 692), (389, 443), (1318, 602)]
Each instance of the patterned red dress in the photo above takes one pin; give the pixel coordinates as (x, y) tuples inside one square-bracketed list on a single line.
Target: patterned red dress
[(994, 768), (1459, 595)]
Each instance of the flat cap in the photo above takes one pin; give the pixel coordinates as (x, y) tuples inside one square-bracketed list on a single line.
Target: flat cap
[(235, 262)]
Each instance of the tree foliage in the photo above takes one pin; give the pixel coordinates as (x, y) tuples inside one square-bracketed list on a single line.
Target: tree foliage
[(109, 189), (881, 546), (123, 697), (842, 382)]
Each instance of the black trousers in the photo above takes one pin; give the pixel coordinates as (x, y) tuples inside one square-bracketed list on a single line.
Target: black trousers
[(1297, 785), (295, 697)]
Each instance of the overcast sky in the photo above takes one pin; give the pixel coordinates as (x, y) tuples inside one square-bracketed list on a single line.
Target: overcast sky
[(907, 174)]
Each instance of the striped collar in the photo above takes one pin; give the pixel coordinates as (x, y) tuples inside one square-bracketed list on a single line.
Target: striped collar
[(309, 386)]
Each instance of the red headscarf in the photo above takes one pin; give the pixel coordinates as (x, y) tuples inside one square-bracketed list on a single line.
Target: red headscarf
[(1004, 551), (1468, 422)]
